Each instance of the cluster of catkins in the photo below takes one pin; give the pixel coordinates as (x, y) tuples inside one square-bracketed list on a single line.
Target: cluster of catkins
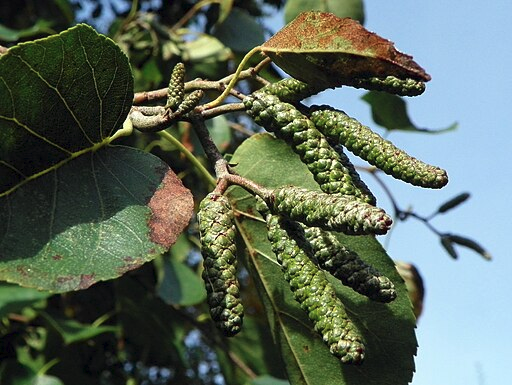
[(301, 222)]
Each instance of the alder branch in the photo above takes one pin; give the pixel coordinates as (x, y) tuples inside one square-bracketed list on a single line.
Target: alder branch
[(199, 84)]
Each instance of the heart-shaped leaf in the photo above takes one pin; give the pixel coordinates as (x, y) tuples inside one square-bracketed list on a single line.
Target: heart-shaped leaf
[(322, 49), (388, 329), (74, 209)]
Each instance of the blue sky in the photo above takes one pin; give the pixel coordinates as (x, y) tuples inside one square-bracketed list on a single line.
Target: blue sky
[(464, 333)]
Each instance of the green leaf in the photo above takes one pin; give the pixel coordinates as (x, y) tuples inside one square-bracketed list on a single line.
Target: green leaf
[(324, 50), (72, 331), (77, 210), (205, 48), (220, 131), (388, 329), (390, 112), (61, 97), (341, 8), (14, 298), (228, 32), (43, 379), (225, 8), (206, 55), (179, 284), (268, 380), (93, 219), (40, 27), (154, 332), (255, 347)]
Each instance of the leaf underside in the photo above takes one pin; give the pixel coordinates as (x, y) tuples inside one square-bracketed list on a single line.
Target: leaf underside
[(322, 49)]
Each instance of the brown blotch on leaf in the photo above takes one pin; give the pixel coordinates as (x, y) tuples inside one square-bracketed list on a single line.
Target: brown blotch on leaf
[(171, 207)]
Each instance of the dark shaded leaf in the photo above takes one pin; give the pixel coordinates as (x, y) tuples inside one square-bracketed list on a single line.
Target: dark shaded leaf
[(179, 284), (470, 244), (14, 298), (328, 51), (228, 32), (72, 331), (388, 329), (61, 97), (341, 8), (448, 246), (390, 112)]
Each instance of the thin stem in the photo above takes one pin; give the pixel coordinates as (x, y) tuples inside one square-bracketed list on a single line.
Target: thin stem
[(133, 10), (212, 152), (249, 185), (235, 78), (426, 222), (221, 165), (198, 84), (126, 130), (397, 210), (191, 12), (197, 164), (225, 108)]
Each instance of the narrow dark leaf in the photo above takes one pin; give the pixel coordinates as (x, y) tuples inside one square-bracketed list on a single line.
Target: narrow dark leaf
[(448, 246), (470, 244), (454, 202), (390, 112)]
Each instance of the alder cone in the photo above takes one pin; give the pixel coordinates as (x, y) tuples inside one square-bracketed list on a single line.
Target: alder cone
[(217, 231)]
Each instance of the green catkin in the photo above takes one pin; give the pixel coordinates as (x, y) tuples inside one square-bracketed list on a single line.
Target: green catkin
[(217, 230), (370, 146), (312, 147), (333, 212), (356, 179), (389, 84), (176, 90), (348, 267), (313, 292), (290, 90), (189, 103)]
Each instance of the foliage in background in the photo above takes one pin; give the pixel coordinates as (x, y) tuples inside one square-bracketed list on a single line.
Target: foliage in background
[(152, 324)]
